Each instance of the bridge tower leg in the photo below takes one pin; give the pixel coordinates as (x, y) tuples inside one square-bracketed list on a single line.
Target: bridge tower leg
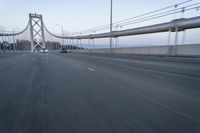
[(176, 40), (36, 31)]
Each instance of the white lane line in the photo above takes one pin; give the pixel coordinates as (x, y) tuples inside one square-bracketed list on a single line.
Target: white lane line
[(91, 69)]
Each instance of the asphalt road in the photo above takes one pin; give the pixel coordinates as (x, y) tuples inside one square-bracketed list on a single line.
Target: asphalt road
[(80, 93)]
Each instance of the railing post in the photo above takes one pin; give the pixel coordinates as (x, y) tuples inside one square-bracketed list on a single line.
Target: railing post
[(93, 43), (169, 36), (176, 40), (184, 35)]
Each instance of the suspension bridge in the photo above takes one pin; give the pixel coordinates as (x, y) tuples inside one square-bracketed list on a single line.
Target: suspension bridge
[(101, 90), (36, 35)]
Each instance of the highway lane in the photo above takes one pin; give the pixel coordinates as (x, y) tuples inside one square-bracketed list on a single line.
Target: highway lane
[(80, 93)]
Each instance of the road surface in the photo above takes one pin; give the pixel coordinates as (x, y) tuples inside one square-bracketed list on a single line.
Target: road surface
[(81, 93)]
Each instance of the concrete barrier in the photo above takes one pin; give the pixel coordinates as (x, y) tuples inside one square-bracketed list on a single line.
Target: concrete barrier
[(189, 50)]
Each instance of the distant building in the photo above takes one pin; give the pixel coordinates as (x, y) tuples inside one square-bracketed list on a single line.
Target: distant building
[(23, 45)]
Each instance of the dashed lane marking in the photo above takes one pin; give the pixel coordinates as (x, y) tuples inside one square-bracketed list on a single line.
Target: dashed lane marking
[(91, 69)]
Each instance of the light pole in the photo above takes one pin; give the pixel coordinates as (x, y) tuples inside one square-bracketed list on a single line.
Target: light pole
[(111, 10), (62, 31)]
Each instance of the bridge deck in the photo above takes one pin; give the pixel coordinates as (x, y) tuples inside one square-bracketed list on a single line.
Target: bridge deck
[(65, 93)]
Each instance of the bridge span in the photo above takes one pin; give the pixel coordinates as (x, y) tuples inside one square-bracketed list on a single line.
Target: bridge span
[(63, 83)]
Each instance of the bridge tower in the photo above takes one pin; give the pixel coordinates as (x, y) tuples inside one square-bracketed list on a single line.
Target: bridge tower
[(36, 31)]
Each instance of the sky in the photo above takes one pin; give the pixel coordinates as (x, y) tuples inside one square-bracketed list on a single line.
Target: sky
[(74, 15)]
